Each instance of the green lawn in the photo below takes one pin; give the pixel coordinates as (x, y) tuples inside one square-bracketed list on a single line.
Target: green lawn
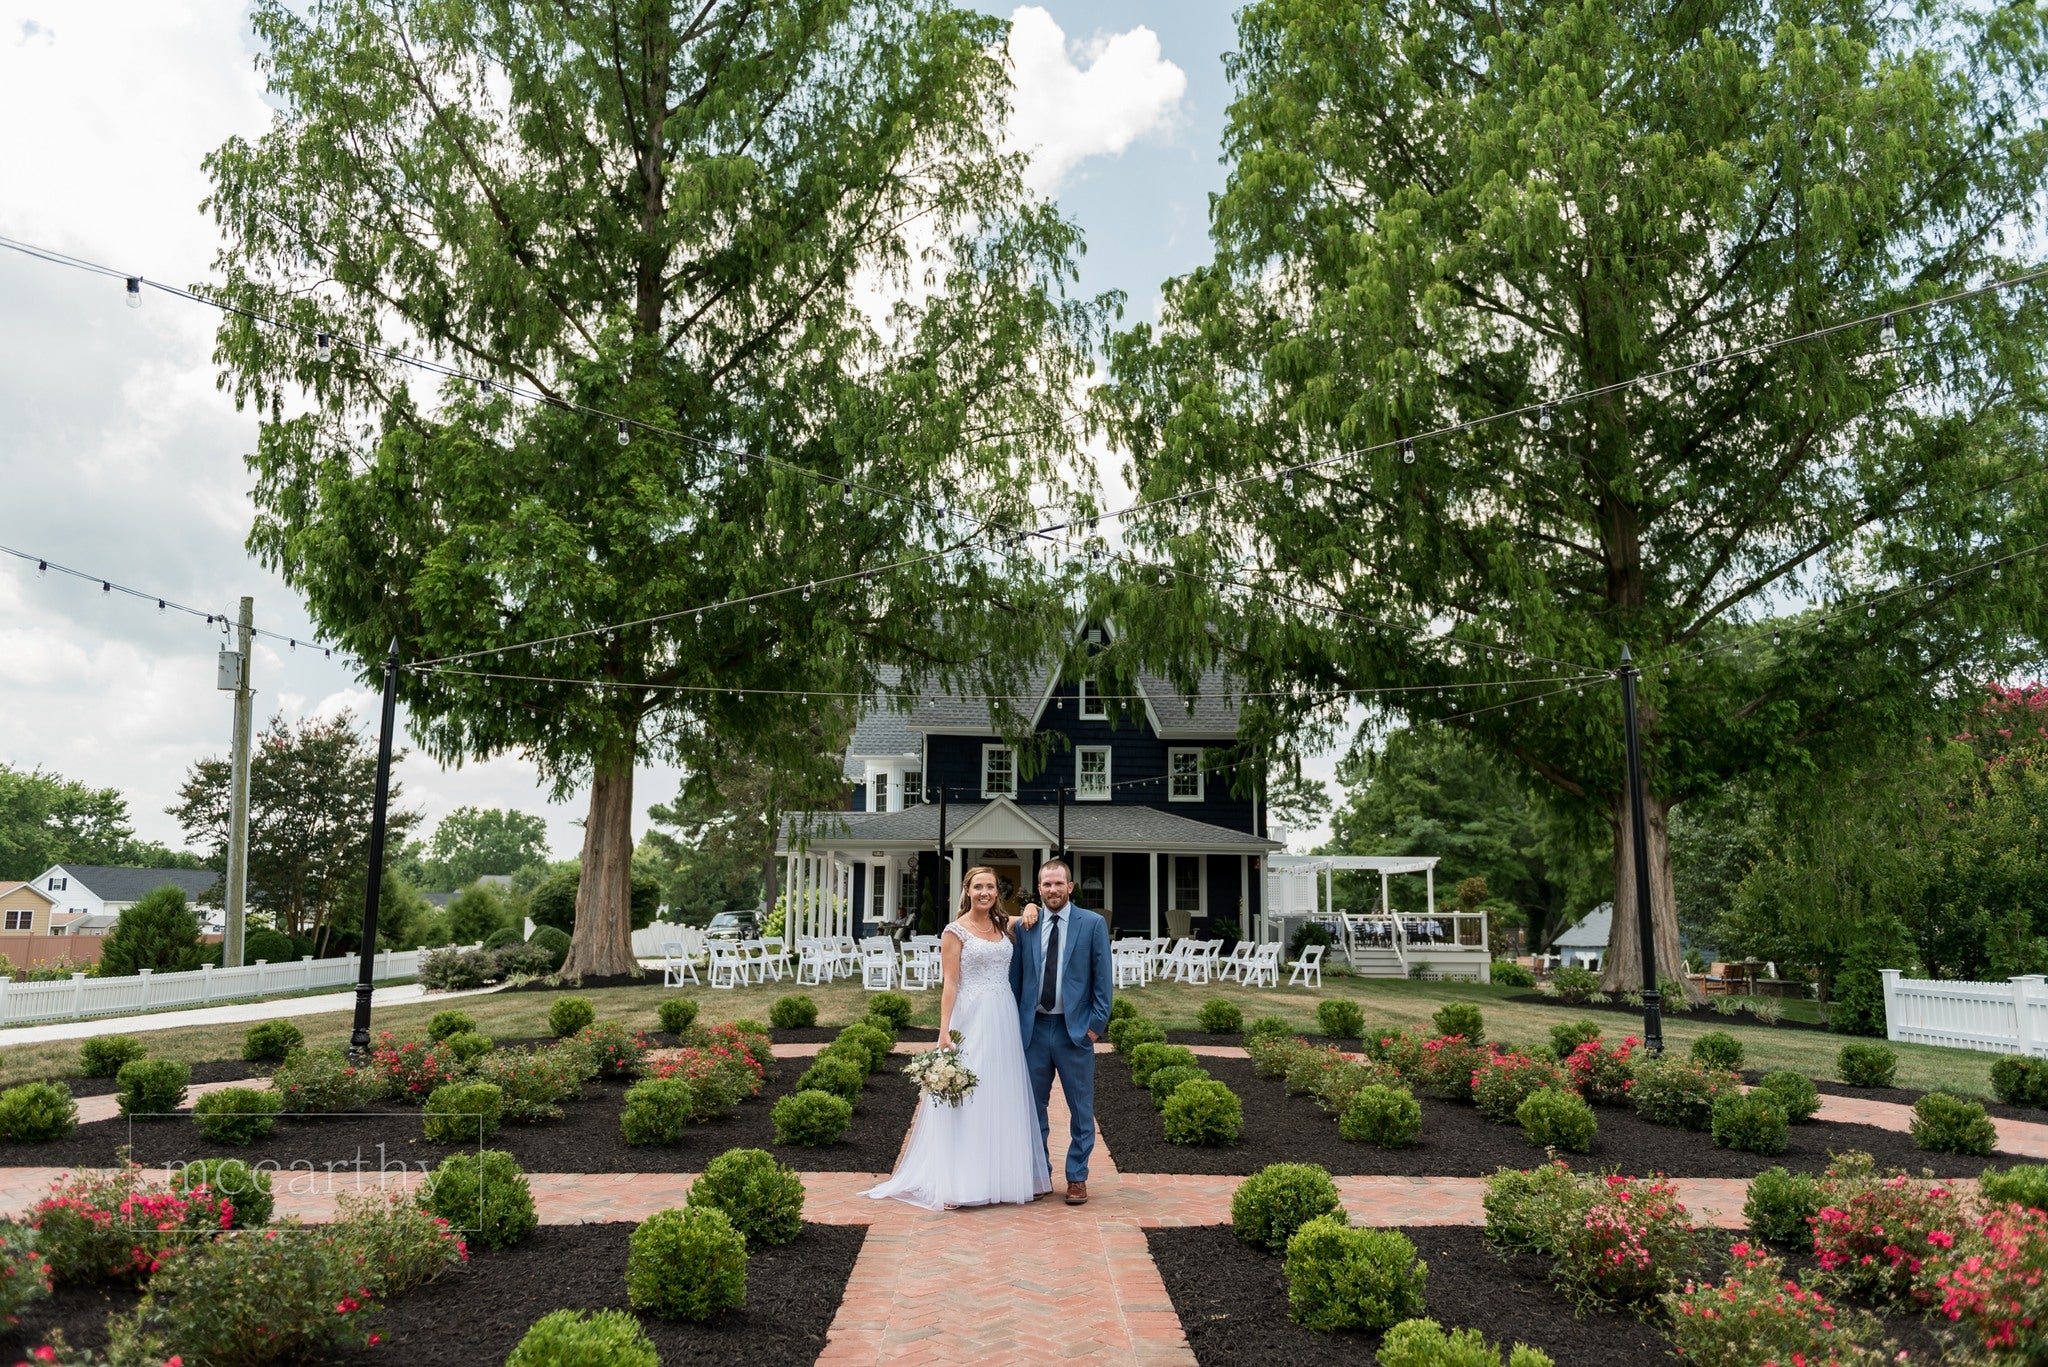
[(1388, 1003)]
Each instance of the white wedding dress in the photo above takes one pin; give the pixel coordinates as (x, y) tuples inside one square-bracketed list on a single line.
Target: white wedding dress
[(987, 1150)]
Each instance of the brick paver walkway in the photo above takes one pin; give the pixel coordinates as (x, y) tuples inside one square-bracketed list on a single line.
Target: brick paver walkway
[(1038, 1282)]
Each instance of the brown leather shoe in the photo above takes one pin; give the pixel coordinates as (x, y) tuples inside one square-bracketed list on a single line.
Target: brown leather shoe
[(1077, 1193)]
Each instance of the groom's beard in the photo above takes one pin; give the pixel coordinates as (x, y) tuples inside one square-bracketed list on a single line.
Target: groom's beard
[(1052, 904)]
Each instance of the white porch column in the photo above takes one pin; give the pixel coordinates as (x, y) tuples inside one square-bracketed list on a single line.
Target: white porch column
[(1244, 897), (954, 869), (1329, 907), (1429, 889), (1386, 897), (1158, 889)]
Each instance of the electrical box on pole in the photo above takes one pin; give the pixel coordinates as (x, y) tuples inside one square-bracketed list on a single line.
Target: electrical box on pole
[(234, 674)]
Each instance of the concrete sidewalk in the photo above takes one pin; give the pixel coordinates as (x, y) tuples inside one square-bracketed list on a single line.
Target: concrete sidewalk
[(228, 1013)]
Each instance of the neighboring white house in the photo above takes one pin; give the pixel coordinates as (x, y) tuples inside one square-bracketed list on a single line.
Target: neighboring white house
[(1585, 944), (86, 899)]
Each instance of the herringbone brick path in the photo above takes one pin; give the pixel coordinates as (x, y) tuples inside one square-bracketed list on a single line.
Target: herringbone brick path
[(1039, 1282)]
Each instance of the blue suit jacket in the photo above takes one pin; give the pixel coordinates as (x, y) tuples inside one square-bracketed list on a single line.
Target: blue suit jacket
[(1085, 985)]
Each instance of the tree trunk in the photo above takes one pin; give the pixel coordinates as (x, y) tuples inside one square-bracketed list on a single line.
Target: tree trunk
[(602, 945), (1623, 968)]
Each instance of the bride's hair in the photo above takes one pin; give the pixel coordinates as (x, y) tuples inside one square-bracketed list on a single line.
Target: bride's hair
[(995, 912)]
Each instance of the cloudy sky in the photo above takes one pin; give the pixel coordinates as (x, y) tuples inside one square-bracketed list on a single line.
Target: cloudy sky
[(119, 456)]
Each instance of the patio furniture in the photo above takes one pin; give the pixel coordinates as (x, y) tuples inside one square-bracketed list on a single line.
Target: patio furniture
[(1262, 969), (1308, 966), (921, 967), (1233, 964), (1130, 965), (728, 965), (814, 960), (676, 965), (774, 956), (877, 964)]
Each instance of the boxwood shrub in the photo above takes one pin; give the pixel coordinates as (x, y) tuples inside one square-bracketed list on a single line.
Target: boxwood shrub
[(1390, 1117), (1554, 1118), (271, 1040), (577, 1338), (104, 1055), (1950, 1124), (1270, 1205), (794, 1012), (569, 1015), (812, 1118), (1863, 1064), (1220, 1016), (464, 1112), (485, 1195), (1340, 1018), (763, 1199), (688, 1264), (1344, 1278), (1753, 1122), (1202, 1111), (36, 1112), (237, 1115), (152, 1088), (678, 1014)]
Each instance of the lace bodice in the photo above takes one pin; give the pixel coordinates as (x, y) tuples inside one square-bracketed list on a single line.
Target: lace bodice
[(984, 964)]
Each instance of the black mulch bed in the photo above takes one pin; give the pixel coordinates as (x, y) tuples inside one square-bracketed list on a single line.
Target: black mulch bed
[(1232, 1303), (224, 1070), (1698, 1015), (825, 1034), (589, 984), (477, 1313), (1457, 1141), (586, 1139)]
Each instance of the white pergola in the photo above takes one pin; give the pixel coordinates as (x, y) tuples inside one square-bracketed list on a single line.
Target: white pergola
[(1289, 875)]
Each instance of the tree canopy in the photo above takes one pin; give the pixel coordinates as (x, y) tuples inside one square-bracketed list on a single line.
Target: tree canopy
[(470, 842), (1442, 222), (775, 244), (312, 790), (47, 819)]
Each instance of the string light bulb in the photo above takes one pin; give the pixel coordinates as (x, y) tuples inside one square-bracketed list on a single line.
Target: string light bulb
[(846, 494), (1703, 374), (807, 591), (1162, 578), (134, 291), (323, 348), (624, 436), (1888, 330), (1995, 571), (740, 463), (700, 621), (159, 605), (1287, 483), (1407, 451), (106, 587)]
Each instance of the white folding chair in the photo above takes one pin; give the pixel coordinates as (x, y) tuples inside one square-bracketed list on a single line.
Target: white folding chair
[(921, 967), (877, 964), (813, 963), (1233, 964), (675, 965), (774, 956), (1309, 965), (754, 958), (1262, 969), (728, 966), (1130, 966), (1194, 961)]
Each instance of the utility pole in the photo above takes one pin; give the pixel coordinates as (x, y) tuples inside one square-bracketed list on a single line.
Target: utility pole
[(234, 674)]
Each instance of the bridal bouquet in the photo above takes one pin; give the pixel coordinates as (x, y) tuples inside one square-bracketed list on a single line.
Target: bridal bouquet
[(940, 1074)]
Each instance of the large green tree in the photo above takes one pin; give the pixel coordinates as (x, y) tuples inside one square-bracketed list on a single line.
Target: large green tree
[(312, 791), (783, 228), (1438, 213), (47, 819), (470, 842)]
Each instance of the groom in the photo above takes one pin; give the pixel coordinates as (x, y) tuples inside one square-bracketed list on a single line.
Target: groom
[(1061, 976)]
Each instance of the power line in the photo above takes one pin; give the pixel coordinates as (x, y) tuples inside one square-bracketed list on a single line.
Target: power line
[(164, 603)]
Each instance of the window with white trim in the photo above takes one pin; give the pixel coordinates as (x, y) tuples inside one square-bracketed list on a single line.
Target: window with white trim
[(878, 791), (878, 892), (22, 919), (1187, 883), (1091, 773), (1093, 707), (1184, 778), (60, 884), (913, 788), (998, 771)]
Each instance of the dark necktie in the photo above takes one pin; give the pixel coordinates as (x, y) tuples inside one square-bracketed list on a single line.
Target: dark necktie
[(1048, 988)]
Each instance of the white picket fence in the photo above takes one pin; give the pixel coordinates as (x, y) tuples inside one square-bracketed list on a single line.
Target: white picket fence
[(78, 996), (1996, 1018), (652, 941)]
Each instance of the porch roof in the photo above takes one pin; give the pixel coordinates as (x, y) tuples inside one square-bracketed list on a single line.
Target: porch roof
[(1092, 828)]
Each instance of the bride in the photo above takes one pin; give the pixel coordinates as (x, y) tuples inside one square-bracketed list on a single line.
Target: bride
[(987, 1150)]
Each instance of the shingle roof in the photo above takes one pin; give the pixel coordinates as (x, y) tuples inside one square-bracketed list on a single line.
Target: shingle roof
[(114, 884), (881, 730), (1215, 712), (1088, 824), (1591, 933)]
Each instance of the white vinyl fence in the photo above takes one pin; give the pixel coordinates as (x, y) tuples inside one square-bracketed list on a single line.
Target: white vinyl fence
[(79, 996), (1996, 1018), (652, 941)]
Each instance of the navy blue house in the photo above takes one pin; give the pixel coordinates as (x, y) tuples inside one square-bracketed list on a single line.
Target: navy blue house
[(1161, 836)]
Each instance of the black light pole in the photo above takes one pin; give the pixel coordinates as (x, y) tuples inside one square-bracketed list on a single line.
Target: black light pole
[(359, 1037), (945, 860), (1653, 1000), (1061, 852)]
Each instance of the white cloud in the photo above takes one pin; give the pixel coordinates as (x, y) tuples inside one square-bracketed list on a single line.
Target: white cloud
[(1095, 98)]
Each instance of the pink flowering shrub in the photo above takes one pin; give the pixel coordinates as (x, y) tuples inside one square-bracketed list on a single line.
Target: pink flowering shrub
[(1449, 1064), (1612, 1241), (1630, 1243), (1992, 1285), (410, 1070), (24, 1276), (614, 1051), (396, 1244), (1884, 1237), (1503, 1082), (275, 1295), (720, 1074), (1603, 1076), (1756, 1314), (1403, 1051), (113, 1224)]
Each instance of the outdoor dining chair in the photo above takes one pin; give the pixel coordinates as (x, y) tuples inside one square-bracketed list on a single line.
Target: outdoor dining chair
[(1308, 967), (676, 964)]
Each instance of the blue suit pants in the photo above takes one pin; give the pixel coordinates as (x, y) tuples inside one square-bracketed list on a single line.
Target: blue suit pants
[(1053, 1051)]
